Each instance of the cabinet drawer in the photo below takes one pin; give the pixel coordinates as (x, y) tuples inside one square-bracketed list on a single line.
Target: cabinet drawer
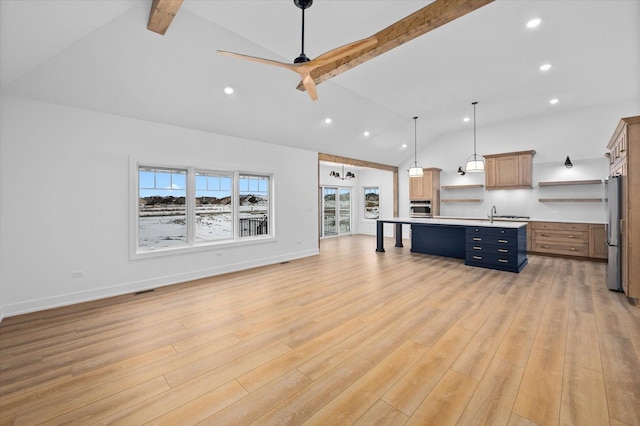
[(562, 248), (495, 231), (491, 240), (561, 236), (485, 259), (491, 249), (560, 226)]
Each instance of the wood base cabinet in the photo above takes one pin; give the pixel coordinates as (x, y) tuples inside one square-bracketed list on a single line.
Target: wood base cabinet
[(624, 160), (569, 239)]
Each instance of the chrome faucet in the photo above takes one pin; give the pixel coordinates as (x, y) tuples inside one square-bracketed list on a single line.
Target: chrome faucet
[(492, 212)]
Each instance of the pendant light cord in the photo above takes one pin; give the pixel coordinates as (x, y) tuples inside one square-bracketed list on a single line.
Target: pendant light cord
[(302, 52), (475, 156), (415, 141)]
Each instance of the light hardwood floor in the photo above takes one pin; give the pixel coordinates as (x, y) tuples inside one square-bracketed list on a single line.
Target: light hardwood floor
[(347, 337)]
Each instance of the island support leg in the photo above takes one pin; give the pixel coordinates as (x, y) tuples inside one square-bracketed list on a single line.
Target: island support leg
[(399, 235), (380, 236)]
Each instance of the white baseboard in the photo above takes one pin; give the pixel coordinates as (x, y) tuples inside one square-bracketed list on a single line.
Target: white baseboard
[(132, 287)]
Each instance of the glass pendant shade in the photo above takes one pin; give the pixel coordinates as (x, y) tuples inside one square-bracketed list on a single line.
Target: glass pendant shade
[(475, 163), (415, 170)]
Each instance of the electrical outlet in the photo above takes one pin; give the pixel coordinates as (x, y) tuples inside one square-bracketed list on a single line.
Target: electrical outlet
[(77, 274)]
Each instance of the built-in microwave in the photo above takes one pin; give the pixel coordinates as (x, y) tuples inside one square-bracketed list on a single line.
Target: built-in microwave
[(420, 208)]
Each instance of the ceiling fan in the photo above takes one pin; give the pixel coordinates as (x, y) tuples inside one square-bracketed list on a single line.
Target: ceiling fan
[(343, 58), (302, 65)]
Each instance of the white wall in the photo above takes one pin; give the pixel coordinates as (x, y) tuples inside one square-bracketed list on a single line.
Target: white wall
[(583, 135), (364, 177), (64, 204)]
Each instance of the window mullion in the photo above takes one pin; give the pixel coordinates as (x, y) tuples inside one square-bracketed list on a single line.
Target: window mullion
[(191, 206), (235, 205)]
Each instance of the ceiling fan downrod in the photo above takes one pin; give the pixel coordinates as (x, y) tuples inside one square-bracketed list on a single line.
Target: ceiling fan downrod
[(302, 4)]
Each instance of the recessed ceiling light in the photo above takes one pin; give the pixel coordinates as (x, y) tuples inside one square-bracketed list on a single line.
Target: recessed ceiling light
[(366, 133), (466, 119), (545, 67), (554, 101), (328, 120), (228, 90), (534, 23), (404, 145)]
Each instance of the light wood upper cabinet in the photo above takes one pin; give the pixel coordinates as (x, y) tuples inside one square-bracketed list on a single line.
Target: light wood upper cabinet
[(427, 187), (510, 170)]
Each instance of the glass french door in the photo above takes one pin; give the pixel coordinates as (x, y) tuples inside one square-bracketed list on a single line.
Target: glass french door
[(336, 211)]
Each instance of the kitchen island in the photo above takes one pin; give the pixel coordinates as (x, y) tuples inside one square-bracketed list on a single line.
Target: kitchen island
[(494, 245)]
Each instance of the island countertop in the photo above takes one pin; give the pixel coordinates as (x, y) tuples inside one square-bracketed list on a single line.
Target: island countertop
[(452, 222)]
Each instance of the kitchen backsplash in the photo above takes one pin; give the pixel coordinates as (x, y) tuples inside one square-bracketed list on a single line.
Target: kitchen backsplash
[(525, 202)]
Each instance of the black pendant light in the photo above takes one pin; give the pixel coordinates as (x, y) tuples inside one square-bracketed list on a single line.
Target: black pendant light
[(337, 175)]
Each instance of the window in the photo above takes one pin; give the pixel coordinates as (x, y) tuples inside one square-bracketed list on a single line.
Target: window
[(254, 205), (185, 208), (214, 215), (371, 202), (162, 212)]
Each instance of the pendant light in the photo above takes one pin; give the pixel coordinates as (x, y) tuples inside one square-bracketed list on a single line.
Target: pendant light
[(475, 163), (337, 175), (567, 163), (416, 168)]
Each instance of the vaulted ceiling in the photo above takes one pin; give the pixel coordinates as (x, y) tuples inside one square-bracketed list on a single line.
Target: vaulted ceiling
[(98, 55)]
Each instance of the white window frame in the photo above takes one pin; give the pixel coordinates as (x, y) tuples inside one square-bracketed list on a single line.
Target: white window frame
[(364, 202), (136, 252)]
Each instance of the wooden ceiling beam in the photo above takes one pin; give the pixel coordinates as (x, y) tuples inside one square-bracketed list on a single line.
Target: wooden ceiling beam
[(430, 17), (162, 13)]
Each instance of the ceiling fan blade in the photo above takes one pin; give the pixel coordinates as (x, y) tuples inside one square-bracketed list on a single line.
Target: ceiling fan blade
[(310, 85), (291, 67), (342, 51), (430, 17)]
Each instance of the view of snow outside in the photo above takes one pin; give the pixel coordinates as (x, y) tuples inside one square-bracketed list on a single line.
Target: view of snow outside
[(162, 216), (371, 202)]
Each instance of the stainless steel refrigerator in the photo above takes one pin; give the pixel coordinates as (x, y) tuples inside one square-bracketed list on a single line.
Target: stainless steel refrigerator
[(614, 193)]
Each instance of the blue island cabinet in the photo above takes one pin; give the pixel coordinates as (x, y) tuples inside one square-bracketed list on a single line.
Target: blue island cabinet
[(496, 248)]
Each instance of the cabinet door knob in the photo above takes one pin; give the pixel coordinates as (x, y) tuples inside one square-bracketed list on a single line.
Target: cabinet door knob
[(545, 246)]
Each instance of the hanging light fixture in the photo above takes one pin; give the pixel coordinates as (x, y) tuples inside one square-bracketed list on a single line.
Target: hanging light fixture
[(567, 163), (475, 163), (337, 175), (416, 168)]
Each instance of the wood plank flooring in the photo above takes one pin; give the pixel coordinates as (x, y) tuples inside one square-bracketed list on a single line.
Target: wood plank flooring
[(349, 337)]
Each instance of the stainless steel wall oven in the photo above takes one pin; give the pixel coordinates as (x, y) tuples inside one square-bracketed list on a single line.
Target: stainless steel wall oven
[(420, 208)]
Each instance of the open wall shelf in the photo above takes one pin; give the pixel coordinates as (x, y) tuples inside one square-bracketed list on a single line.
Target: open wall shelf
[(572, 182), (570, 200), (461, 200), (461, 186)]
